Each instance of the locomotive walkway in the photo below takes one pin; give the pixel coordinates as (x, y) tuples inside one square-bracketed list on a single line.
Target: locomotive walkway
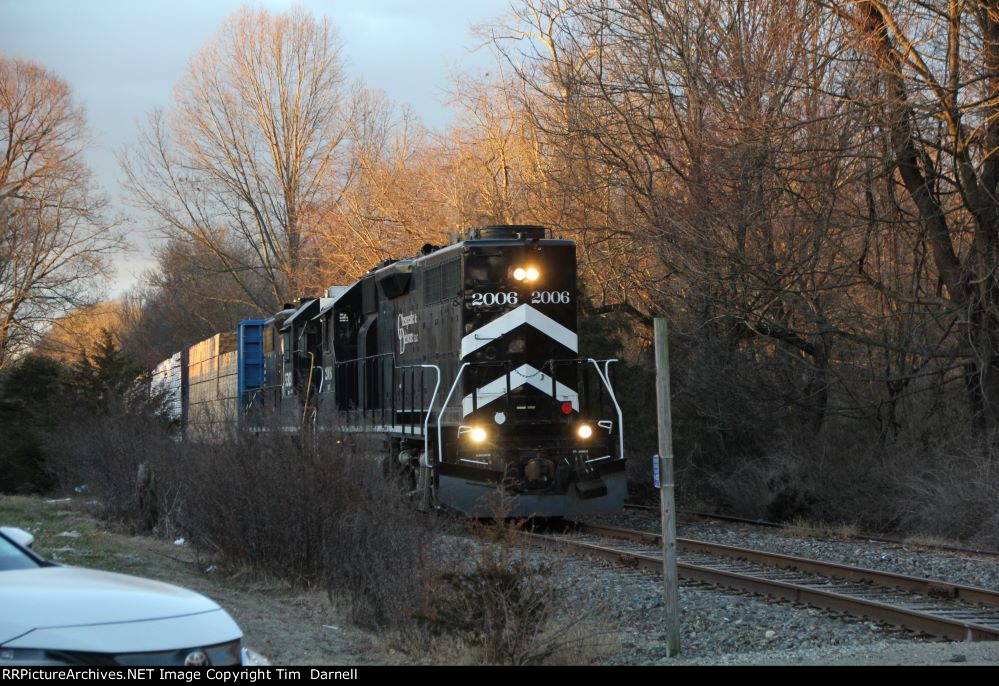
[(929, 606)]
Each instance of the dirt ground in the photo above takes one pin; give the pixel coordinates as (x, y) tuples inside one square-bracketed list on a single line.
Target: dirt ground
[(287, 626)]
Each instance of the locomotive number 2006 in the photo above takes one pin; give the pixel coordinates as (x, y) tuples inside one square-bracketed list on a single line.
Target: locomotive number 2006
[(490, 299), (512, 298), (550, 297)]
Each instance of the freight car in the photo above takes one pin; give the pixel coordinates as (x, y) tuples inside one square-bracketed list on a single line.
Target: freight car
[(464, 360)]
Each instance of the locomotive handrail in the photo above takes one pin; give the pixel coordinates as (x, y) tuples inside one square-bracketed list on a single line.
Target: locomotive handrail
[(603, 375), (457, 378), (426, 419), (605, 378), (363, 359)]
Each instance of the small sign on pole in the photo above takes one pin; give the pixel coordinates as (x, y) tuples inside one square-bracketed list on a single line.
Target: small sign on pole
[(663, 471), (655, 471)]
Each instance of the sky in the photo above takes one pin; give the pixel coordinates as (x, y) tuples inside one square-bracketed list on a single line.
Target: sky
[(122, 57)]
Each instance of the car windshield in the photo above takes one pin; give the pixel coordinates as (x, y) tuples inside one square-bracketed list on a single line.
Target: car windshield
[(12, 557)]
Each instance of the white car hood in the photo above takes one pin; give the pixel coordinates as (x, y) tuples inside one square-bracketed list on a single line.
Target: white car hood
[(109, 612)]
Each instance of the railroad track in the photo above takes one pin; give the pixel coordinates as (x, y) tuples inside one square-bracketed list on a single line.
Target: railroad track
[(654, 509), (937, 608)]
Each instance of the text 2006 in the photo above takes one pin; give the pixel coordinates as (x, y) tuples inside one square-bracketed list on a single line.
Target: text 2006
[(512, 298)]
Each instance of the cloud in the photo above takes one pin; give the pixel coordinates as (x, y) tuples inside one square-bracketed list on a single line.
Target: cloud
[(122, 57)]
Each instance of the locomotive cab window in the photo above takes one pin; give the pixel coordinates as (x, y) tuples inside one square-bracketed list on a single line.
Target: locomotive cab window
[(345, 329), (327, 335), (308, 340), (486, 268)]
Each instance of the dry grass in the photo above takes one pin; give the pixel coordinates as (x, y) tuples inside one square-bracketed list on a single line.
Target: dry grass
[(802, 527), (291, 626), (316, 513), (924, 541), (313, 512), (956, 497)]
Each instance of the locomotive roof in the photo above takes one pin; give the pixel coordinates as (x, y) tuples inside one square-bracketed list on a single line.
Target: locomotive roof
[(335, 294), (306, 305), (488, 243)]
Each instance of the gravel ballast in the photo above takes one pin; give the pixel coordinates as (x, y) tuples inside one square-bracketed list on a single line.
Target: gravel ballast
[(716, 625), (963, 568), (722, 627)]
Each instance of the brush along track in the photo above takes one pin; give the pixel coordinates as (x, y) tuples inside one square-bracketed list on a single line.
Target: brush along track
[(928, 606)]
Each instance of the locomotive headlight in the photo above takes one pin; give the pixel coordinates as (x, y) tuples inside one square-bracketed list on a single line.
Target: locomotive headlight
[(528, 274), (478, 435), (584, 431)]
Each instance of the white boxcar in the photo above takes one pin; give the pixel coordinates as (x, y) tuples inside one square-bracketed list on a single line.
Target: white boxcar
[(212, 380), (167, 380)]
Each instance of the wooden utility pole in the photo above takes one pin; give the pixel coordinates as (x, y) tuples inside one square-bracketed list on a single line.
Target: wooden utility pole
[(667, 502)]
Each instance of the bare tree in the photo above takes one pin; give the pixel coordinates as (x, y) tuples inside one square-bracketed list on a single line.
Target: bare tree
[(390, 207), (819, 194), (54, 238), (189, 296), (492, 168), (254, 144), (933, 99), (702, 149)]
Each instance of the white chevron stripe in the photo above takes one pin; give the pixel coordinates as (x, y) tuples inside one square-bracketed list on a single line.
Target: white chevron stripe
[(525, 314), (525, 374)]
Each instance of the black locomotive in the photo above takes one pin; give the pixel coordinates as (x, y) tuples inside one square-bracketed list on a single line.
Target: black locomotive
[(465, 360)]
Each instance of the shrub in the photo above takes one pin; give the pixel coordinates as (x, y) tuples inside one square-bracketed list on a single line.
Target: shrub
[(312, 512), (120, 458), (501, 604), (317, 512), (955, 495), (496, 601)]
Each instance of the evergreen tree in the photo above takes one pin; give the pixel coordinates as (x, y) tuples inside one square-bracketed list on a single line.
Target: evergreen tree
[(33, 401), (107, 377)]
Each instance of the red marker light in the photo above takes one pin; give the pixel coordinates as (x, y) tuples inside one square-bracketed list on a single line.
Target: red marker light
[(566, 408)]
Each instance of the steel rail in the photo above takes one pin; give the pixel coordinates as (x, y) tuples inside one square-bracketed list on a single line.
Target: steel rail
[(933, 588), (954, 628), (707, 515), (859, 537)]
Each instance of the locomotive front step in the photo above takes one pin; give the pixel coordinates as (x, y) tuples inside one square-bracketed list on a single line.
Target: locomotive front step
[(595, 488)]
